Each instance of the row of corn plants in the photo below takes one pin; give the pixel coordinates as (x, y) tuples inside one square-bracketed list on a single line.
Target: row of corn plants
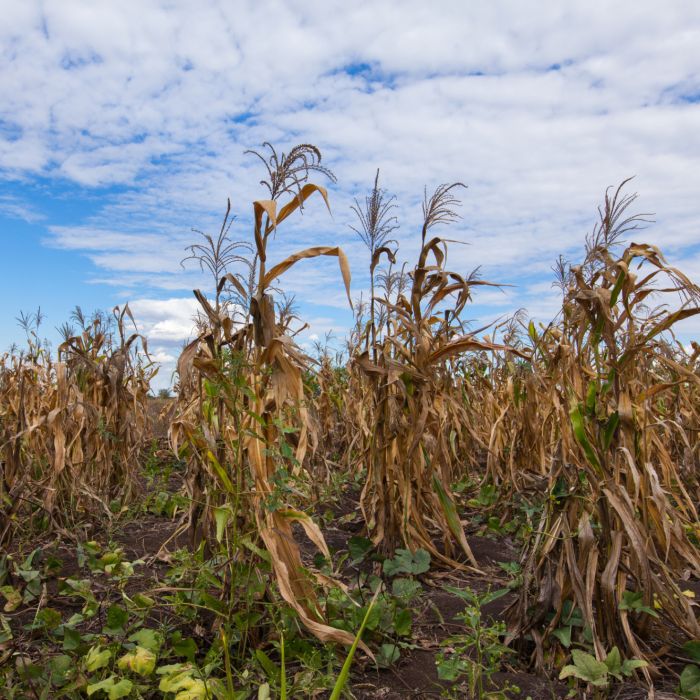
[(73, 423), (593, 416)]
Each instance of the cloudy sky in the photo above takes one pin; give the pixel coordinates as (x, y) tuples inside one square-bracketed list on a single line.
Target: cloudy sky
[(124, 124)]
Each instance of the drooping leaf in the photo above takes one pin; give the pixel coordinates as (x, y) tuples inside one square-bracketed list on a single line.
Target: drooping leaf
[(577, 422), (222, 515), (315, 252)]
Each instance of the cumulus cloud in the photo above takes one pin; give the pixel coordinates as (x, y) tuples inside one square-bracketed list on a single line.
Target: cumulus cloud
[(536, 111), (167, 324), (166, 320)]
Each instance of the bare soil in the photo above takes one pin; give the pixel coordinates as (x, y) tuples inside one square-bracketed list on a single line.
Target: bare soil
[(149, 538)]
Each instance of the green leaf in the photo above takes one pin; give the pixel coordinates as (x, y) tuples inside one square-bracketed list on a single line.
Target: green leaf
[(212, 603), (560, 489), (590, 398), (286, 450), (196, 691), (97, 658), (270, 668), (421, 562), (402, 622), (618, 286), (262, 553), (450, 669), (490, 596), (388, 654), (531, 331), (245, 619), (587, 668), (449, 509), (690, 682), (48, 618), (117, 617), (222, 516), (28, 670), (5, 631), (178, 679), (634, 601), (71, 639), (466, 594), (141, 600), (172, 669), (342, 679), (578, 425), (406, 562), (610, 428), (60, 667), (692, 649), (488, 495), (114, 689), (405, 588), (358, 548), (630, 665), (613, 661), (563, 634), (400, 564), (148, 639), (220, 472), (184, 647), (373, 620)]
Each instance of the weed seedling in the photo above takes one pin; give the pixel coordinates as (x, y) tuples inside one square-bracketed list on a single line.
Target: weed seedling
[(476, 653)]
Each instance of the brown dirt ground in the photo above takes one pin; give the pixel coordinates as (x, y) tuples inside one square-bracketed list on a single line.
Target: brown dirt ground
[(415, 674)]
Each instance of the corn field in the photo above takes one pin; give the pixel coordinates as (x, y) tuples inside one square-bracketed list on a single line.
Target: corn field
[(315, 507)]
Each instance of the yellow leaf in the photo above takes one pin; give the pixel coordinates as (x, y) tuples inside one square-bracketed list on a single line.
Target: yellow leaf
[(138, 660)]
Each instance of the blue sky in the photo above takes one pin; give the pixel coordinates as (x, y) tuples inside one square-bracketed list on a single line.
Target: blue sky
[(123, 125)]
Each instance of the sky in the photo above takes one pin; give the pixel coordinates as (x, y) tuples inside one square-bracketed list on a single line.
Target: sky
[(124, 125)]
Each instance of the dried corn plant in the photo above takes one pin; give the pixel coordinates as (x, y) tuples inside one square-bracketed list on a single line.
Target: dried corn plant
[(244, 418), (72, 428), (376, 223), (412, 402), (618, 516), (678, 412), (517, 418), (328, 401)]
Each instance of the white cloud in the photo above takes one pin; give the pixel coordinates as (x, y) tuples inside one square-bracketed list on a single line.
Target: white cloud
[(167, 325), (17, 209), (537, 110), (166, 320)]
